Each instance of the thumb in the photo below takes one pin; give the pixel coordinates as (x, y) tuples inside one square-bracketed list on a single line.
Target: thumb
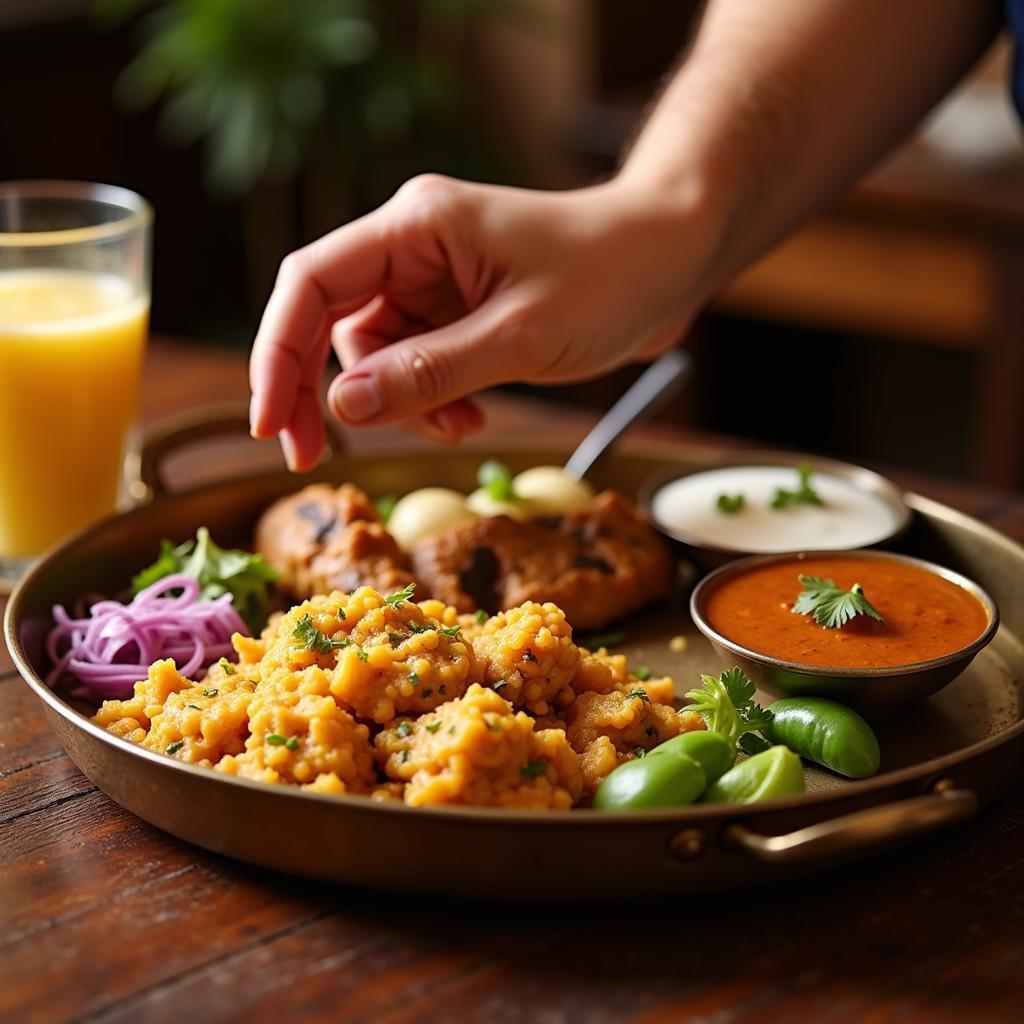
[(493, 344)]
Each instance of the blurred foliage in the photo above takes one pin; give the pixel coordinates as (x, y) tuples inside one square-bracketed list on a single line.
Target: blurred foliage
[(256, 80)]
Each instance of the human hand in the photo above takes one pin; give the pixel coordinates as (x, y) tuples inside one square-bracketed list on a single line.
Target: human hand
[(453, 287)]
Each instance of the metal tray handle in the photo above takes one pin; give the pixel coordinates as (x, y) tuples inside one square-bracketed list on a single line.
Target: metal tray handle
[(203, 424), (859, 831)]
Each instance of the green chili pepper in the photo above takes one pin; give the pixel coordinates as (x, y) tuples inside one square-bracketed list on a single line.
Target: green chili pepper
[(827, 733), (711, 750), (666, 781), (772, 773)]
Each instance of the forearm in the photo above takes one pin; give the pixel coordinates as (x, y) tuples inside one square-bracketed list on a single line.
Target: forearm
[(780, 105)]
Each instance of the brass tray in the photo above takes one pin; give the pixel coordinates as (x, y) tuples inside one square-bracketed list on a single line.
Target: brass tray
[(941, 761)]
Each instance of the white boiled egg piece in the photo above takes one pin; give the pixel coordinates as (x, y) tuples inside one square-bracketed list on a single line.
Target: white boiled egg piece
[(552, 491), (426, 511)]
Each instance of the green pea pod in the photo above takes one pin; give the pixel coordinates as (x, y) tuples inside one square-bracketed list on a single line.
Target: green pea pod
[(714, 752), (772, 773), (827, 733), (666, 781)]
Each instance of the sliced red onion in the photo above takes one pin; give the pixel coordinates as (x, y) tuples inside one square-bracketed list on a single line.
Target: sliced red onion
[(111, 648)]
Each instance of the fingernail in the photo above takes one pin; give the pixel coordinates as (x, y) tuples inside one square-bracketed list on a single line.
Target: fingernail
[(288, 450), (254, 412), (356, 398)]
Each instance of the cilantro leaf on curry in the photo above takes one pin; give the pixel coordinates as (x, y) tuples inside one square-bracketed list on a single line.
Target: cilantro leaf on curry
[(831, 606)]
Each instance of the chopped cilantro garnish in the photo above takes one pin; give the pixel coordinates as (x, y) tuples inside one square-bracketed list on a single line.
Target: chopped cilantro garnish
[(404, 756), (804, 494), (534, 769), (173, 748), (433, 727), (275, 739), (211, 692), (395, 638), (449, 630), (194, 707), (413, 678), (385, 506), (639, 752), (229, 669), (643, 673), (496, 479), (481, 616), (314, 639), (404, 729), (339, 613), (640, 693), (292, 743), (418, 627), (399, 596), (362, 655), (730, 504)]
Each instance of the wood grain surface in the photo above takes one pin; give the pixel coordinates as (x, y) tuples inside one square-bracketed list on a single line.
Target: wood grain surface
[(103, 918)]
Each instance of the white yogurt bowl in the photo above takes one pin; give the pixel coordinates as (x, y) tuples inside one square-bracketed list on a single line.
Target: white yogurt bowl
[(859, 508)]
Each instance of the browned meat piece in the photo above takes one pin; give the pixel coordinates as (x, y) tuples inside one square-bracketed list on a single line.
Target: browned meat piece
[(325, 538), (362, 555), (596, 565)]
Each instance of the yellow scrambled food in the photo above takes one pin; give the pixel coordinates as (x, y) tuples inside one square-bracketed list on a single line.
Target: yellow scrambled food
[(397, 700)]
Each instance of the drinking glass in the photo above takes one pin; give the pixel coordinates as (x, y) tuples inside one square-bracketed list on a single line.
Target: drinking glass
[(74, 312)]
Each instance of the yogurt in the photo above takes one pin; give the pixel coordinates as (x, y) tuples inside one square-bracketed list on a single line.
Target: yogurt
[(851, 516)]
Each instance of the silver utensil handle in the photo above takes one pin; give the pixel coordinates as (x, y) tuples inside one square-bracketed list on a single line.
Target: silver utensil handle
[(655, 387)]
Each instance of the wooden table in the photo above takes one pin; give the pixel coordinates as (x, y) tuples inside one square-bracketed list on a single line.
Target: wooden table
[(104, 918)]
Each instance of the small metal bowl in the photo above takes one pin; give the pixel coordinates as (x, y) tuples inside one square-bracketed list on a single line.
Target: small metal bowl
[(709, 556), (876, 692)]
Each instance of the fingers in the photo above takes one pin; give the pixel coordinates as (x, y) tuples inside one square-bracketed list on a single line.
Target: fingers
[(425, 373), (341, 271), (380, 323)]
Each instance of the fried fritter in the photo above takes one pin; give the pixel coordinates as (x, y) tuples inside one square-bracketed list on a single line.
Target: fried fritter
[(323, 539), (597, 565)]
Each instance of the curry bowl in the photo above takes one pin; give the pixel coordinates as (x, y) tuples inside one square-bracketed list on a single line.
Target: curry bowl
[(876, 691)]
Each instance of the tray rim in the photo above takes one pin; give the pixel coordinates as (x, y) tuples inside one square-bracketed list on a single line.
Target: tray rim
[(491, 816)]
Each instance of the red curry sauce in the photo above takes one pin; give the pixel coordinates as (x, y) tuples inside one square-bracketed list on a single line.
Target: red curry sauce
[(925, 615)]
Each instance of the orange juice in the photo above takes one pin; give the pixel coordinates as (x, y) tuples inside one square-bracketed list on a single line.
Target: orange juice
[(71, 346)]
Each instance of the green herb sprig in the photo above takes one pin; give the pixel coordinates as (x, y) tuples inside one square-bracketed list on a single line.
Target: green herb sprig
[(218, 571), (730, 504), (804, 494), (727, 706), (831, 606), (495, 478), (314, 639)]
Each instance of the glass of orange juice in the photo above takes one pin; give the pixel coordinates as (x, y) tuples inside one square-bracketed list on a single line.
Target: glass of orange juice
[(74, 311)]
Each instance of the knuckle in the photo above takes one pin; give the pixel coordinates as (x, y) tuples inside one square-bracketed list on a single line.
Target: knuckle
[(426, 374), (292, 266), (428, 194)]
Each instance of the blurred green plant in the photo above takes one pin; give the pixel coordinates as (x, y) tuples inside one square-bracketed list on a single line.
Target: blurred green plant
[(255, 79)]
